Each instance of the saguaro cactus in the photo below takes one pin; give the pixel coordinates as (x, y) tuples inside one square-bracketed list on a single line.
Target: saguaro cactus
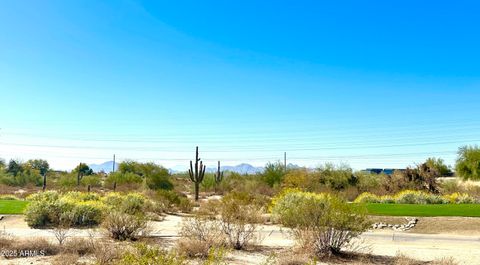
[(218, 177), (197, 173), (44, 187)]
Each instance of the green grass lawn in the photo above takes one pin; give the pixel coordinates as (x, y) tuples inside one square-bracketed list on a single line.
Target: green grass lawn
[(12, 206), (471, 210)]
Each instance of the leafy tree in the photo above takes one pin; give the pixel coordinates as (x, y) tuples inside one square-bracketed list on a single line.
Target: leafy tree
[(336, 177), (129, 166), (82, 170), (2, 163), (14, 167), (155, 176), (273, 173), (468, 162), (123, 178), (159, 179), (439, 165), (39, 164)]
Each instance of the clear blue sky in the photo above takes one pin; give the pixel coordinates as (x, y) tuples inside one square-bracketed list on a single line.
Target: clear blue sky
[(369, 83)]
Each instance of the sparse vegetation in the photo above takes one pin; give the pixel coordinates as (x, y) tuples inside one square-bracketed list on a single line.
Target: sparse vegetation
[(321, 222)]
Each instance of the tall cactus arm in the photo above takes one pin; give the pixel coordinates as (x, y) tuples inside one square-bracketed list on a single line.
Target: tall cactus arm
[(190, 172)]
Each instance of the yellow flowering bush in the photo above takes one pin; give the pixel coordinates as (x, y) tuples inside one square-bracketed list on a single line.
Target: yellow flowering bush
[(78, 209), (416, 197)]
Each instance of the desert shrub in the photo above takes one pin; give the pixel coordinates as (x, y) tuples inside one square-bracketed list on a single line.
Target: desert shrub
[(299, 178), (208, 183), (387, 199), (67, 181), (44, 209), (66, 259), (216, 256), (411, 197), (209, 208), (159, 180), (416, 197), (199, 235), (122, 226), (239, 219), (123, 178), (77, 196), (144, 254), (273, 174), (450, 186), (323, 221), (174, 201), (8, 197), (92, 180), (107, 253), (459, 198), (86, 213), (368, 182), (367, 197), (82, 209), (131, 203), (74, 208), (40, 246), (79, 246)]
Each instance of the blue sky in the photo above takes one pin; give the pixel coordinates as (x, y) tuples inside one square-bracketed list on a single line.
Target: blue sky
[(372, 83)]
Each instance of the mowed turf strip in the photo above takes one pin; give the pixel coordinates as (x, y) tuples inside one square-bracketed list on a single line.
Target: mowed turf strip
[(461, 210), (12, 206)]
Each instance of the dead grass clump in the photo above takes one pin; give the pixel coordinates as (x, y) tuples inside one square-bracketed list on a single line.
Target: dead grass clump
[(402, 259), (193, 248), (209, 208), (445, 261), (36, 246), (66, 259), (293, 259), (107, 252), (199, 234), (79, 246)]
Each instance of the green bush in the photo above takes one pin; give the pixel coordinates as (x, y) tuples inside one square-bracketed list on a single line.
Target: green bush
[(239, 218), (273, 173), (367, 197), (174, 201), (92, 180), (322, 222), (88, 213), (123, 178), (81, 209), (416, 197), (159, 179), (144, 254)]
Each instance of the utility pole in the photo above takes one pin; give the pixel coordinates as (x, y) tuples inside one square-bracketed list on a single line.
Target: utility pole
[(285, 160), (113, 171)]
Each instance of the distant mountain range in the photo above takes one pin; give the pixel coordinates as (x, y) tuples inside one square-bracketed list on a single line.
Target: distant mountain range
[(105, 167), (241, 168)]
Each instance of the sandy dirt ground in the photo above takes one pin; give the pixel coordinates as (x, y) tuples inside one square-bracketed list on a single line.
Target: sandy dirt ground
[(463, 244)]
